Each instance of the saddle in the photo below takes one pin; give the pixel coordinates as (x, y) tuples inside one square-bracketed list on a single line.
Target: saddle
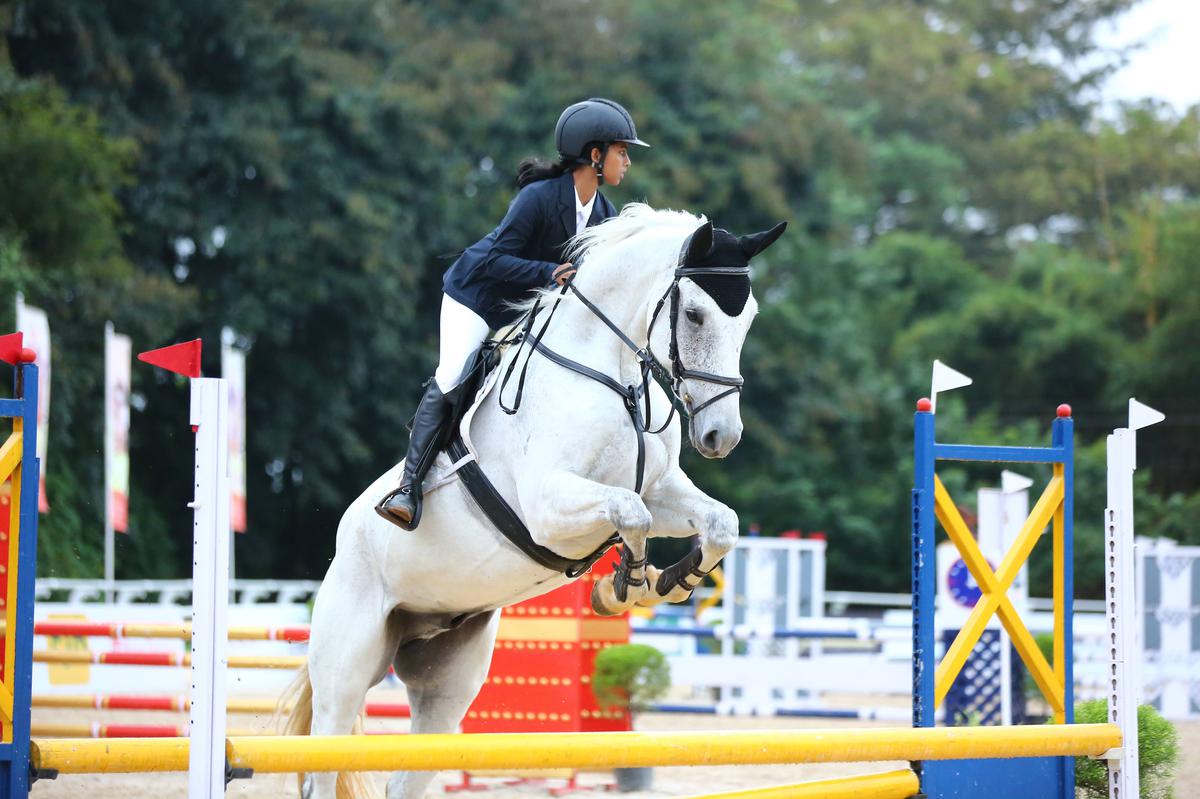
[(461, 462)]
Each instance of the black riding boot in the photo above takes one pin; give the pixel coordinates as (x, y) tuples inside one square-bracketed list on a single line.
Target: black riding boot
[(402, 506)]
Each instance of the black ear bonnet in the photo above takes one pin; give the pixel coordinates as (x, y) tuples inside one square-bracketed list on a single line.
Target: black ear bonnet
[(729, 291)]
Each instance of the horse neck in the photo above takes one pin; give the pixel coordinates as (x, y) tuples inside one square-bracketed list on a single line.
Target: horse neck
[(579, 334)]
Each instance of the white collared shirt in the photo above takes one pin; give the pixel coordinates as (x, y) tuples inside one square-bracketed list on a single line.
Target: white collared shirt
[(583, 212)]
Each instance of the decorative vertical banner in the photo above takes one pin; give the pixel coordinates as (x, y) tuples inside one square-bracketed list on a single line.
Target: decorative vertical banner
[(233, 369), (118, 357), (36, 327)]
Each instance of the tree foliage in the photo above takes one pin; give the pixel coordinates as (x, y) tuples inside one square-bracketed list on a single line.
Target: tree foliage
[(297, 170)]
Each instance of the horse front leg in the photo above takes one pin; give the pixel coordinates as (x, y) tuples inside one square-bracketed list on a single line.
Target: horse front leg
[(578, 513), (680, 510)]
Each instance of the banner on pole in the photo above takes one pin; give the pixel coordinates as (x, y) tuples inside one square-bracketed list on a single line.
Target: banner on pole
[(233, 369), (36, 327), (118, 359)]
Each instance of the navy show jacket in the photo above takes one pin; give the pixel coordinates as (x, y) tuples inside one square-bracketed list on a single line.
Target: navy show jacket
[(522, 252)]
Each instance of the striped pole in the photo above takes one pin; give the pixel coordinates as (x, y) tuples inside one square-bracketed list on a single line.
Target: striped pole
[(165, 659), (98, 730), (180, 703), (104, 629)]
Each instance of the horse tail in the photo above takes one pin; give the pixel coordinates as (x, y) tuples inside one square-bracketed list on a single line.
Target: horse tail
[(298, 697), (295, 705)]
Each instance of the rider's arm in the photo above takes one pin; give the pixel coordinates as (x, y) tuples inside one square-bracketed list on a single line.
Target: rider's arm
[(518, 232)]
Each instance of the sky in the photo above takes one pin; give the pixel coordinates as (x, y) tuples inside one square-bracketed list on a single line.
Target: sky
[(1168, 67)]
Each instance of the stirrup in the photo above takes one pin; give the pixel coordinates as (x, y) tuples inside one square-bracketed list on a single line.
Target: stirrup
[(412, 523)]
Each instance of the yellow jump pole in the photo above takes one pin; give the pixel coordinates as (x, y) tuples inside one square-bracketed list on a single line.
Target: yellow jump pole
[(889, 785), (276, 754), (110, 756)]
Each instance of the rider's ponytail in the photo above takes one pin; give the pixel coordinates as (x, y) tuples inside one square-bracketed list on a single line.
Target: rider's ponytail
[(531, 170)]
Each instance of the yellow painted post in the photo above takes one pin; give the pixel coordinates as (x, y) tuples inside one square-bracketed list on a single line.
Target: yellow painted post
[(889, 785), (10, 458), (718, 578), (1060, 603)]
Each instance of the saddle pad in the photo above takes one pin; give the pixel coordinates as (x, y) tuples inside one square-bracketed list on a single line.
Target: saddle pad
[(445, 469)]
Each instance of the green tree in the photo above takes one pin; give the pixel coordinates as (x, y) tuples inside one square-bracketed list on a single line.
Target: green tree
[(298, 169)]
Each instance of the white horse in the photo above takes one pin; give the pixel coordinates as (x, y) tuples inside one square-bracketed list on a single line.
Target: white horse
[(427, 602)]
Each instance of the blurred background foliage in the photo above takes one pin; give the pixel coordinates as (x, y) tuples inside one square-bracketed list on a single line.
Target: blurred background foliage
[(296, 169)]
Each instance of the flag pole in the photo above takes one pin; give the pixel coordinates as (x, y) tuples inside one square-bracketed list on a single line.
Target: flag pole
[(110, 543)]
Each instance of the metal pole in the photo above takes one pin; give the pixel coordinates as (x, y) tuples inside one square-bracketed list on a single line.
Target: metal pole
[(110, 568), (210, 588), (924, 568), (1123, 780)]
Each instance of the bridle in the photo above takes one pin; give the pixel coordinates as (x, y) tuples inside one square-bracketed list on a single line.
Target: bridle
[(637, 395), (679, 372)]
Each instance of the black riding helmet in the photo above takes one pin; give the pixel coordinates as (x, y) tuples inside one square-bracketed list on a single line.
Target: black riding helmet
[(593, 122)]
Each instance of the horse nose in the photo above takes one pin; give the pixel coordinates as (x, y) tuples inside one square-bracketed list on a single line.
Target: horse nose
[(718, 442)]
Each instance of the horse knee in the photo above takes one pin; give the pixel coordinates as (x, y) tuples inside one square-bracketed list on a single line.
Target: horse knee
[(721, 531), (629, 515)]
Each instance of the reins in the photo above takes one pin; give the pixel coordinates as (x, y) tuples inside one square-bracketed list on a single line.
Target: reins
[(648, 364)]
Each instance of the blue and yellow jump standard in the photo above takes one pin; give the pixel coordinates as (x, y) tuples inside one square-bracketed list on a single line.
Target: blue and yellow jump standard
[(18, 553), (1029, 778)]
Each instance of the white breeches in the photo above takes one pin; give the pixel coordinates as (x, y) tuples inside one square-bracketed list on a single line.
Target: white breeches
[(462, 332)]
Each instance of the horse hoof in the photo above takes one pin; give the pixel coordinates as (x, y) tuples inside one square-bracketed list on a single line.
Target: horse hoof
[(652, 597), (600, 606)]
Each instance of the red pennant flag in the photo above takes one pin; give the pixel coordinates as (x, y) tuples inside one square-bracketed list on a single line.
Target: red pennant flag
[(182, 358), (13, 350)]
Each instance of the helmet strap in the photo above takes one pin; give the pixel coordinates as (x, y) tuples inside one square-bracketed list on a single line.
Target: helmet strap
[(599, 165)]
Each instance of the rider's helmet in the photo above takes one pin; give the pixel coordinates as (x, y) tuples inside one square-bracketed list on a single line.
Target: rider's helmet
[(593, 123)]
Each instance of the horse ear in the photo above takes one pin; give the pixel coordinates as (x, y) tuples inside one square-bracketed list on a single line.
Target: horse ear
[(698, 244), (755, 243)]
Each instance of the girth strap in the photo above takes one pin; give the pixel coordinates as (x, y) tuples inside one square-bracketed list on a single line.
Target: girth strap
[(506, 520)]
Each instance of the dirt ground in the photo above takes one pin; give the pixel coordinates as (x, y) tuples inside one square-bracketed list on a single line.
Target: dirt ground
[(679, 781)]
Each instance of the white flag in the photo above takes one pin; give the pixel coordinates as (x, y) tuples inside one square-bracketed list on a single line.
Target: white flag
[(36, 327), (945, 379), (233, 369), (118, 356)]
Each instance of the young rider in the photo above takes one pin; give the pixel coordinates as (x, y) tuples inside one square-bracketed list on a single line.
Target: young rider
[(556, 201)]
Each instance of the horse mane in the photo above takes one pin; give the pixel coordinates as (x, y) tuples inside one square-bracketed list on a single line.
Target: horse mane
[(635, 219)]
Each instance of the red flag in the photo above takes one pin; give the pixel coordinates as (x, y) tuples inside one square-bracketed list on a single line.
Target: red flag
[(13, 350), (182, 358)]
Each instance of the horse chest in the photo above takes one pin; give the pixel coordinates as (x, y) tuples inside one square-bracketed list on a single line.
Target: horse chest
[(604, 448)]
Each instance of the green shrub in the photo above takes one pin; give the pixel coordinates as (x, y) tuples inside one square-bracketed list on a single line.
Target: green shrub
[(1045, 643), (630, 676), (1158, 753)]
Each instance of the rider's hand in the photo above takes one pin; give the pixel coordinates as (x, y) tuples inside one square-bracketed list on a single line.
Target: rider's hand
[(563, 273)]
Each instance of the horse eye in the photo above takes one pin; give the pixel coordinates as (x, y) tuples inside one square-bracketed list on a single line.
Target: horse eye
[(694, 317)]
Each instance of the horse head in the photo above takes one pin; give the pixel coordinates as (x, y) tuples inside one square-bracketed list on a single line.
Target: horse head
[(711, 308)]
